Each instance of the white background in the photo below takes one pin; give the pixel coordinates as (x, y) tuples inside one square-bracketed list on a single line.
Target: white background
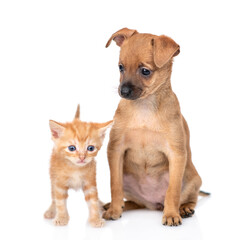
[(53, 56)]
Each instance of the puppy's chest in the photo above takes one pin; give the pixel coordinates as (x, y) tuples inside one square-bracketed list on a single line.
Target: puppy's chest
[(144, 130), (143, 118)]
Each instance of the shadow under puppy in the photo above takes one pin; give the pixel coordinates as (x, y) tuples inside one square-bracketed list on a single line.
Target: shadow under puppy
[(149, 153)]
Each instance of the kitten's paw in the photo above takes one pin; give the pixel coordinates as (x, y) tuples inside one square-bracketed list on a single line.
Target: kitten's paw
[(61, 221), (49, 214), (97, 222)]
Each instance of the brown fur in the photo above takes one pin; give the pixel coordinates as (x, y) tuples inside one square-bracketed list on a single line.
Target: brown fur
[(150, 137), (75, 169)]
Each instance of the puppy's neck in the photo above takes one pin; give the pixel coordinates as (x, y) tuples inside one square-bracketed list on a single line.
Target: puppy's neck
[(149, 102), (156, 100), (163, 92)]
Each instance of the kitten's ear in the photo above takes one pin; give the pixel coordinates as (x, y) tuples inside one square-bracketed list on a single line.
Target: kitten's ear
[(57, 129), (103, 127), (77, 115)]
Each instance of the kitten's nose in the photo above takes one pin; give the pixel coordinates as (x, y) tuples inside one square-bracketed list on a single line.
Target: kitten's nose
[(82, 157)]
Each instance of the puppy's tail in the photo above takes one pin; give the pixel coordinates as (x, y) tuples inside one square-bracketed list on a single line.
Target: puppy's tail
[(204, 194)]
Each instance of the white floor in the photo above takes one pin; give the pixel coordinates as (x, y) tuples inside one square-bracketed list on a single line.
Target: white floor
[(22, 218)]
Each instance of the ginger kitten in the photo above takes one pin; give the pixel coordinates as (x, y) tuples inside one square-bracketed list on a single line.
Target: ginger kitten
[(73, 166)]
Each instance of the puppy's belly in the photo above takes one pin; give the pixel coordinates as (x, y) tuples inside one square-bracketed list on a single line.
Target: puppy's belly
[(147, 189), (145, 171)]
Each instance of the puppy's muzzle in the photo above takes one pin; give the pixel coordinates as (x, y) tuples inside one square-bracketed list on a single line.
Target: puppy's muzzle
[(126, 91), (129, 91)]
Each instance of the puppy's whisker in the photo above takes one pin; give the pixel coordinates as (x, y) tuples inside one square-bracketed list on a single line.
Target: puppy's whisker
[(115, 90)]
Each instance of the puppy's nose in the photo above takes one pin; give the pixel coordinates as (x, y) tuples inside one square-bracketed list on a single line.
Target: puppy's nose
[(126, 91)]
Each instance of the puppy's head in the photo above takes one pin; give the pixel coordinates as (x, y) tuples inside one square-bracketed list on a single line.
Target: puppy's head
[(145, 62)]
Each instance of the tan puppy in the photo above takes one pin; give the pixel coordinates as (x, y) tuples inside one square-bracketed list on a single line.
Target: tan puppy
[(148, 152)]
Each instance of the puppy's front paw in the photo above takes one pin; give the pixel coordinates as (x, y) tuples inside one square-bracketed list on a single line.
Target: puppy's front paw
[(112, 214), (97, 222), (171, 220), (61, 220)]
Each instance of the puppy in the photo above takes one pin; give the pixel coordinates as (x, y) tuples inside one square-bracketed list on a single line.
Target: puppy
[(148, 152)]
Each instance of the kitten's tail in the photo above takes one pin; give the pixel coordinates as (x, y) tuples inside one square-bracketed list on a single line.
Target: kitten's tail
[(77, 115)]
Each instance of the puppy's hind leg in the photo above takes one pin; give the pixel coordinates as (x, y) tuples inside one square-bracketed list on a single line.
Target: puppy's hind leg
[(129, 205), (189, 197), (187, 209)]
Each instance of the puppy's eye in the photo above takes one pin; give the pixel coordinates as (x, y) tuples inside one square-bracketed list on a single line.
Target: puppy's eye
[(90, 148), (121, 68), (145, 71), (71, 148)]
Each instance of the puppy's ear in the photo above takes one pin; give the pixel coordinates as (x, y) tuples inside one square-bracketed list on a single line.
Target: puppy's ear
[(164, 48), (120, 36)]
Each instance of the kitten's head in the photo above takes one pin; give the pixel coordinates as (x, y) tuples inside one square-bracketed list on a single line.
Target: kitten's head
[(78, 141)]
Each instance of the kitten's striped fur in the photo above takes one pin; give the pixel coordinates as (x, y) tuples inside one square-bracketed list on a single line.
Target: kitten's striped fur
[(75, 169)]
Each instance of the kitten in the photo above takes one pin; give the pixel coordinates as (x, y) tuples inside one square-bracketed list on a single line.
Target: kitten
[(73, 166)]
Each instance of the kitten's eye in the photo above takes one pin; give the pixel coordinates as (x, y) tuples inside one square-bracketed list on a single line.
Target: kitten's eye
[(90, 148), (145, 71), (121, 68), (71, 148)]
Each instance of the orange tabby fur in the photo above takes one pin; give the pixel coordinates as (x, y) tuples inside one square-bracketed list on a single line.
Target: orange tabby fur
[(76, 169)]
